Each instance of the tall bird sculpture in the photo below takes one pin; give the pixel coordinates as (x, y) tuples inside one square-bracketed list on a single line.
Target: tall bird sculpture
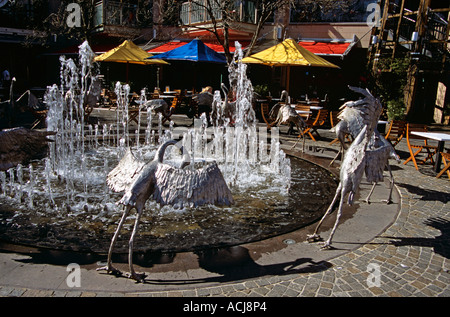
[(356, 114), (167, 185), (358, 159), (285, 114), (352, 170)]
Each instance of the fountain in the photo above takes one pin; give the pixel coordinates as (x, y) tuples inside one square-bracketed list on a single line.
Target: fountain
[(63, 201)]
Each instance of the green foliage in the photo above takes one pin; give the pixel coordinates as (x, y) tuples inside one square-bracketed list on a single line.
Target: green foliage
[(390, 81), (395, 109), (261, 90)]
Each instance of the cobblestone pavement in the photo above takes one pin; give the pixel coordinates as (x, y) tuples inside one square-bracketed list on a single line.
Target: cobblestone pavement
[(411, 255)]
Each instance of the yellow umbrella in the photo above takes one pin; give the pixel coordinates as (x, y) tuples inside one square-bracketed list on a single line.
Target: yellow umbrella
[(288, 53), (128, 52)]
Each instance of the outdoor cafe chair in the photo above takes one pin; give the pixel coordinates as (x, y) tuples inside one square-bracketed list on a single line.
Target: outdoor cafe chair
[(418, 144), (314, 123), (446, 162), (305, 110), (396, 131), (265, 113)]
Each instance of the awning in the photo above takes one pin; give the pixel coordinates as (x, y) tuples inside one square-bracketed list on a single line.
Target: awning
[(194, 51), (327, 48), (176, 44)]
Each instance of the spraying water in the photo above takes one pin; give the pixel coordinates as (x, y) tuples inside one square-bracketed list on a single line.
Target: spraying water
[(68, 189)]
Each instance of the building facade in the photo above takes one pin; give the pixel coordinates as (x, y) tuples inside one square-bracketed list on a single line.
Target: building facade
[(33, 33)]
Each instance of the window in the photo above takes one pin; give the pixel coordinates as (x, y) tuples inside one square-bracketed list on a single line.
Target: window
[(334, 11)]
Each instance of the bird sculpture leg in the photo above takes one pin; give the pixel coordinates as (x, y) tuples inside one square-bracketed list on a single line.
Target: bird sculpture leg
[(327, 244), (340, 152), (341, 138), (367, 200), (303, 137), (315, 237), (391, 185), (109, 268), (140, 277)]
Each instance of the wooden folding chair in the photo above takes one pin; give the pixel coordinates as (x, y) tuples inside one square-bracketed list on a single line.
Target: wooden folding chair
[(266, 116), (306, 109), (396, 131), (314, 124), (416, 148), (446, 162)]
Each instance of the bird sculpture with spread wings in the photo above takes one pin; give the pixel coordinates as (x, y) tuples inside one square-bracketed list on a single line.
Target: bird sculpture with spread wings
[(167, 185), (351, 173), (354, 116), (285, 114), (21, 145), (369, 154)]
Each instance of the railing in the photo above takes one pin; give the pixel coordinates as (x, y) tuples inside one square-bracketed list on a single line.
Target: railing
[(195, 12), (115, 13)]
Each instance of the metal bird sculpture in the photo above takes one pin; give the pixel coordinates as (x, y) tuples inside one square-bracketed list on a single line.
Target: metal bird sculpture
[(354, 116), (352, 170), (159, 106), (285, 114), (20, 145), (365, 154), (167, 185)]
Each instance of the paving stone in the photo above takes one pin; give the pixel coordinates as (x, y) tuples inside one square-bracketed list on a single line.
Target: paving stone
[(409, 253)]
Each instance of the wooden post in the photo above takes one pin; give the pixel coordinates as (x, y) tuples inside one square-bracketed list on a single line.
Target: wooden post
[(382, 28), (397, 33)]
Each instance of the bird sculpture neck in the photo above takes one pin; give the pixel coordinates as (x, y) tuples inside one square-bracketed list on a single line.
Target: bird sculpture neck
[(162, 149)]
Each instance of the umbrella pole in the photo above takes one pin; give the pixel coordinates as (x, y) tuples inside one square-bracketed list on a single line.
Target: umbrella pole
[(127, 72), (288, 74), (157, 76)]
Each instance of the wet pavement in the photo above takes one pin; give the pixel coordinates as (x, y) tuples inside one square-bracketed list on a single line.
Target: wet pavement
[(395, 250)]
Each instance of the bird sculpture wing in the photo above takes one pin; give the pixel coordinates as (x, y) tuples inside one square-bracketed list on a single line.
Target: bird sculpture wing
[(179, 187), (274, 111), (378, 153), (124, 174), (354, 163), (376, 160), (20, 145), (353, 116), (362, 112), (156, 104)]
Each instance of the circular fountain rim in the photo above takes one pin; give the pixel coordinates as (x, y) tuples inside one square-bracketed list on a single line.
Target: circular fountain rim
[(289, 153)]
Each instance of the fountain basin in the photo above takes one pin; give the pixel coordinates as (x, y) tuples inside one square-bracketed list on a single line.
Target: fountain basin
[(257, 215)]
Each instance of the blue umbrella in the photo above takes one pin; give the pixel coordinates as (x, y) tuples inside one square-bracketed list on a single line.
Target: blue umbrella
[(194, 51)]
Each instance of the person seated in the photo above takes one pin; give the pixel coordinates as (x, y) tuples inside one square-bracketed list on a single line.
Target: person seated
[(204, 100)]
